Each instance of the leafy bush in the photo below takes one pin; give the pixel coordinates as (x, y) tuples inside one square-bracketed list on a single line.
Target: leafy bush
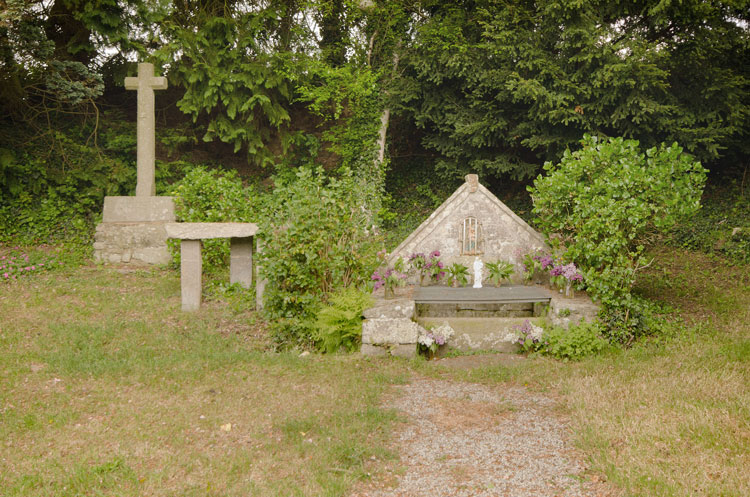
[(600, 204), (317, 237), (212, 196), (339, 323), (641, 317), (575, 343)]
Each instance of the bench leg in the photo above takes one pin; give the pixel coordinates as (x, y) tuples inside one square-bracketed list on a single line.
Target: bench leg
[(191, 270), (241, 261)]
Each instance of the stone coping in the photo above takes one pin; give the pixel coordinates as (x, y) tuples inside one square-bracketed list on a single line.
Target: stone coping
[(202, 231)]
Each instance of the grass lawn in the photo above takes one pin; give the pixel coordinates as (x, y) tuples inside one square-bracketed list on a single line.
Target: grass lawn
[(106, 388)]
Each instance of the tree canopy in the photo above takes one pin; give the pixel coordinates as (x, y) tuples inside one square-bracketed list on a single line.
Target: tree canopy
[(487, 86)]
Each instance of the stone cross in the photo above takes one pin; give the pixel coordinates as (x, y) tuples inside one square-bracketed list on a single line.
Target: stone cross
[(146, 83)]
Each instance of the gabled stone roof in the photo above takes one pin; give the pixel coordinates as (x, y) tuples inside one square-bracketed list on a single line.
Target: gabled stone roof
[(470, 187)]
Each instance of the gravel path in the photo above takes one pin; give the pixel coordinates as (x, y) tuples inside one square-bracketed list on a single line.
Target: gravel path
[(465, 439)]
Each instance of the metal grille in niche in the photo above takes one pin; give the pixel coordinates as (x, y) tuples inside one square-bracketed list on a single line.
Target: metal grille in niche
[(471, 237)]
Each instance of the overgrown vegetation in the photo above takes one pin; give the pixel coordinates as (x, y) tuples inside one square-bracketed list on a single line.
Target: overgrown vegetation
[(212, 196), (574, 343), (722, 226), (600, 205), (317, 238)]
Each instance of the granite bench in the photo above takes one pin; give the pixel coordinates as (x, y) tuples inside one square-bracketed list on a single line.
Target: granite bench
[(191, 265)]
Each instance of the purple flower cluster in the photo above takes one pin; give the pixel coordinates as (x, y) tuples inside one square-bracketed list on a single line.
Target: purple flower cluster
[(424, 266), (389, 277), (528, 331), (568, 271)]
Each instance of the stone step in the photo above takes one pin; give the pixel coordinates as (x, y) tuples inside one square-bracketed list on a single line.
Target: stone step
[(479, 333), (482, 310)]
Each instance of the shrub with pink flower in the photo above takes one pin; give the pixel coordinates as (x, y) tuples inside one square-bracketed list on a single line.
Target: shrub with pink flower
[(17, 263)]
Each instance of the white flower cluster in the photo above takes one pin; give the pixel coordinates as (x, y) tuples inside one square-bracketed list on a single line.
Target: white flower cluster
[(536, 332), (439, 335), (426, 340)]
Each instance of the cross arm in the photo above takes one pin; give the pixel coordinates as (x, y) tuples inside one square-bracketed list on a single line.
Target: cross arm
[(156, 83), (131, 83), (159, 83)]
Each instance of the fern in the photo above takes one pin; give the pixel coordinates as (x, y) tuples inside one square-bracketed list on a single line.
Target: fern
[(339, 324)]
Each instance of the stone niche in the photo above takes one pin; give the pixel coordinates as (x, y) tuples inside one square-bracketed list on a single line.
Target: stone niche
[(473, 222)]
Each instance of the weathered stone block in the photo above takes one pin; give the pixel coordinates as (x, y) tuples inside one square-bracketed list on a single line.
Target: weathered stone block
[(241, 261), (373, 350), (138, 209), (135, 243), (564, 312), (395, 308), (203, 231), (479, 333), (191, 269), (389, 331), (404, 350)]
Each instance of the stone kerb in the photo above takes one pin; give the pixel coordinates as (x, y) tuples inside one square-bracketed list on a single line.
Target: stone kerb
[(389, 328)]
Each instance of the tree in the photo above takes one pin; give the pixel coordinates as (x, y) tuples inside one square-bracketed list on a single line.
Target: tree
[(500, 88)]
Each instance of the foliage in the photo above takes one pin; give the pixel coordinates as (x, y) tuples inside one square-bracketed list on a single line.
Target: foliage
[(212, 196), (578, 341), (316, 238), (338, 324), (230, 77), (624, 323), (458, 274), (721, 227), (499, 271), (602, 202)]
